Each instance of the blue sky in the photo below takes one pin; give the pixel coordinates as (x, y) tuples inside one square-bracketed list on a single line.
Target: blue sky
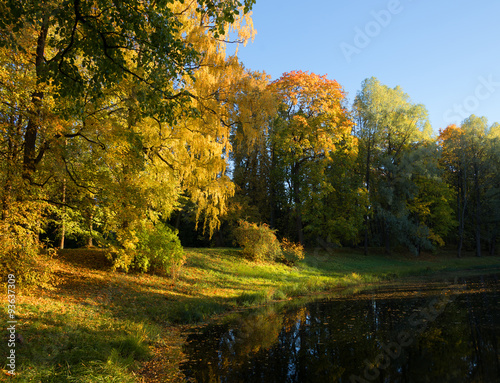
[(444, 54)]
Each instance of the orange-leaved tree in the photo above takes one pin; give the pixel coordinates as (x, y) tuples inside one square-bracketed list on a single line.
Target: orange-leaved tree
[(312, 122)]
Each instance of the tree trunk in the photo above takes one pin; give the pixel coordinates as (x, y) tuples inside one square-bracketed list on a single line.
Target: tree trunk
[(30, 137), (63, 234), (297, 203), (63, 223), (387, 240), (367, 180), (91, 228), (178, 220), (366, 236), (11, 150), (478, 210), (462, 210), (219, 239), (272, 191)]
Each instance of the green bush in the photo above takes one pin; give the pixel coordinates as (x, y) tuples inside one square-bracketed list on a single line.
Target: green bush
[(154, 248), (258, 241), (159, 249)]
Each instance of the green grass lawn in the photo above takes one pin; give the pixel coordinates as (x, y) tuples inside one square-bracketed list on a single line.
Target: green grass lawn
[(97, 325)]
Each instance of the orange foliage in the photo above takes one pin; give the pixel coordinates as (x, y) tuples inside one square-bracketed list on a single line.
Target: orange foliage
[(451, 132), (314, 109)]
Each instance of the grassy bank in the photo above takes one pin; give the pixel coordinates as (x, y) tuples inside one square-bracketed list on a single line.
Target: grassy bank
[(103, 326)]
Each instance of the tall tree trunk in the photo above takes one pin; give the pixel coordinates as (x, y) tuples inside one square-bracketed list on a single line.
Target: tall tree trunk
[(8, 180), (63, 223), (16, 123), (367, 180), (91, 228), (478, 209), (6, 198), (493, 243), (462, 210), (30, 137), (387, 240), (219, 239), (272, 191), (297, 203)]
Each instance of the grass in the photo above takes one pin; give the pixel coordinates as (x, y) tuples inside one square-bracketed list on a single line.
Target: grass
[(102, 326)]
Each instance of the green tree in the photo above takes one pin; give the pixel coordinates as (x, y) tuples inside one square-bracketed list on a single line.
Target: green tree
[(491, 203), (474, 136), (336, 206), (455, 162), (390, 129)]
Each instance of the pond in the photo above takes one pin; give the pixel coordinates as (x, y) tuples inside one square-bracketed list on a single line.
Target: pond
[(435, 332)]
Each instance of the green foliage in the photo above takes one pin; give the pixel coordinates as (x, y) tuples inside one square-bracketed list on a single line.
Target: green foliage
[(159, 249), (258, 241), (470, 157), (337, 209), (396, 162), (155, 248)]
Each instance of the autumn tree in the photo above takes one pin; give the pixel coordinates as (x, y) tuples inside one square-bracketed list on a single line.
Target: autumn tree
[(120, 101), (470, 157), (312, 121), (253, 105)]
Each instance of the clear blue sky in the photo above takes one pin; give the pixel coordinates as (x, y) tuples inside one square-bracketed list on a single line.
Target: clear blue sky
[(444, 53)]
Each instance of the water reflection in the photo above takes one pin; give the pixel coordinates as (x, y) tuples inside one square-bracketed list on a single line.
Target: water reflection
[(437, 333)]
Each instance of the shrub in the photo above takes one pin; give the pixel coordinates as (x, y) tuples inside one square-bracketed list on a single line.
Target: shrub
[(291, 252), (159, 249), (21, 255), (151, 248), (258, 241), (122, 251)]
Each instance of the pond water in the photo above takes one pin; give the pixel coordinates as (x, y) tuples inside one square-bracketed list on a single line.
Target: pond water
[(436, 332)]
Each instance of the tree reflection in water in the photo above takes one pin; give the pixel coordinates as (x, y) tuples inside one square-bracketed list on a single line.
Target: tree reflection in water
[(437, 333)]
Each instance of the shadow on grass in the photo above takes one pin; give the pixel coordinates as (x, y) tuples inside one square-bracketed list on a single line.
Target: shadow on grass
[(90, 258)]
